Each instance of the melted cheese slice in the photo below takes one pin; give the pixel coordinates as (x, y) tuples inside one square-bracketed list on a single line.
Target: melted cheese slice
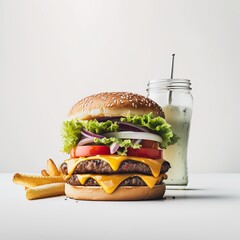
[(109, 183), (115, 161)]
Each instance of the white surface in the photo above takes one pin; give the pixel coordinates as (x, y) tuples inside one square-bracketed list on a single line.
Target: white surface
[(208, 209), (52, 53)]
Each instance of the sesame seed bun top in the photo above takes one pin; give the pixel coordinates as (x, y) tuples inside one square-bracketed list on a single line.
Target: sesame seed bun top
[(114, 104)]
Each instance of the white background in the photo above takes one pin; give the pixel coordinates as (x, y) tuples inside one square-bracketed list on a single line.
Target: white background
[(53, 53)]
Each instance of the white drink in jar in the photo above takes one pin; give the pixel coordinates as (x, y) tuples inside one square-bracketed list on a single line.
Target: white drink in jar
[(174, 96), (179, 118)]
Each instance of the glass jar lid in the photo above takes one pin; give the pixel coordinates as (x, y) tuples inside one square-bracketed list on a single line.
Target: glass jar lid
[(169, 84)]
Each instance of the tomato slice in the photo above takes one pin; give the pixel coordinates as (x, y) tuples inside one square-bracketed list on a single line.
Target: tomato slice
[(86, 151), (149, 144), (145, 152)]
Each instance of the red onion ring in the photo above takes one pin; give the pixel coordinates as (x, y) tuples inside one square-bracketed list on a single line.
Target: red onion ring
[(85, 141), (114, 147), (88, 134), (131, 127)]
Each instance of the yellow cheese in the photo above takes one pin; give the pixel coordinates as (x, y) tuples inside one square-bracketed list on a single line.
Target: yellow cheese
[(110, 182), (115, 161)]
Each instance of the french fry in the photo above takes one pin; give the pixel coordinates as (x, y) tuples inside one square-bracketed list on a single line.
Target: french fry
[(52, 168), (35, 180), (44, 191), (44, 172)]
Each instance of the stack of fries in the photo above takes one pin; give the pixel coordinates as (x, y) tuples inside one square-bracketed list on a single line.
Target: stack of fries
[(51, 183)]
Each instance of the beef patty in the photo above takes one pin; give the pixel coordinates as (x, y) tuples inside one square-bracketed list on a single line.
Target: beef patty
[(102, 167), (132, 181)]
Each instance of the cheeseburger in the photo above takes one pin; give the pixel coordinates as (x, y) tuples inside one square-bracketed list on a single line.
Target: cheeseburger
[(115, 142)]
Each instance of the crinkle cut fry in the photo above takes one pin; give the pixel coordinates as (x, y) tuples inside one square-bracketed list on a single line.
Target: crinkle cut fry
[(35, 180), (46, 190)]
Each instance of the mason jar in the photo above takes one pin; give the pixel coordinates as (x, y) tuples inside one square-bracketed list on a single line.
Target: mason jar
[(174, 96)]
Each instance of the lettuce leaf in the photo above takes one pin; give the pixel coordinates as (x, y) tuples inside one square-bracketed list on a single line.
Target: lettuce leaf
[(123, 143), (100, 127), (71, 131), (156, 124)]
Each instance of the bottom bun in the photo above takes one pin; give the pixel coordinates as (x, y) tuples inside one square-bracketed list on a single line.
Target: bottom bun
[(124, 193)]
